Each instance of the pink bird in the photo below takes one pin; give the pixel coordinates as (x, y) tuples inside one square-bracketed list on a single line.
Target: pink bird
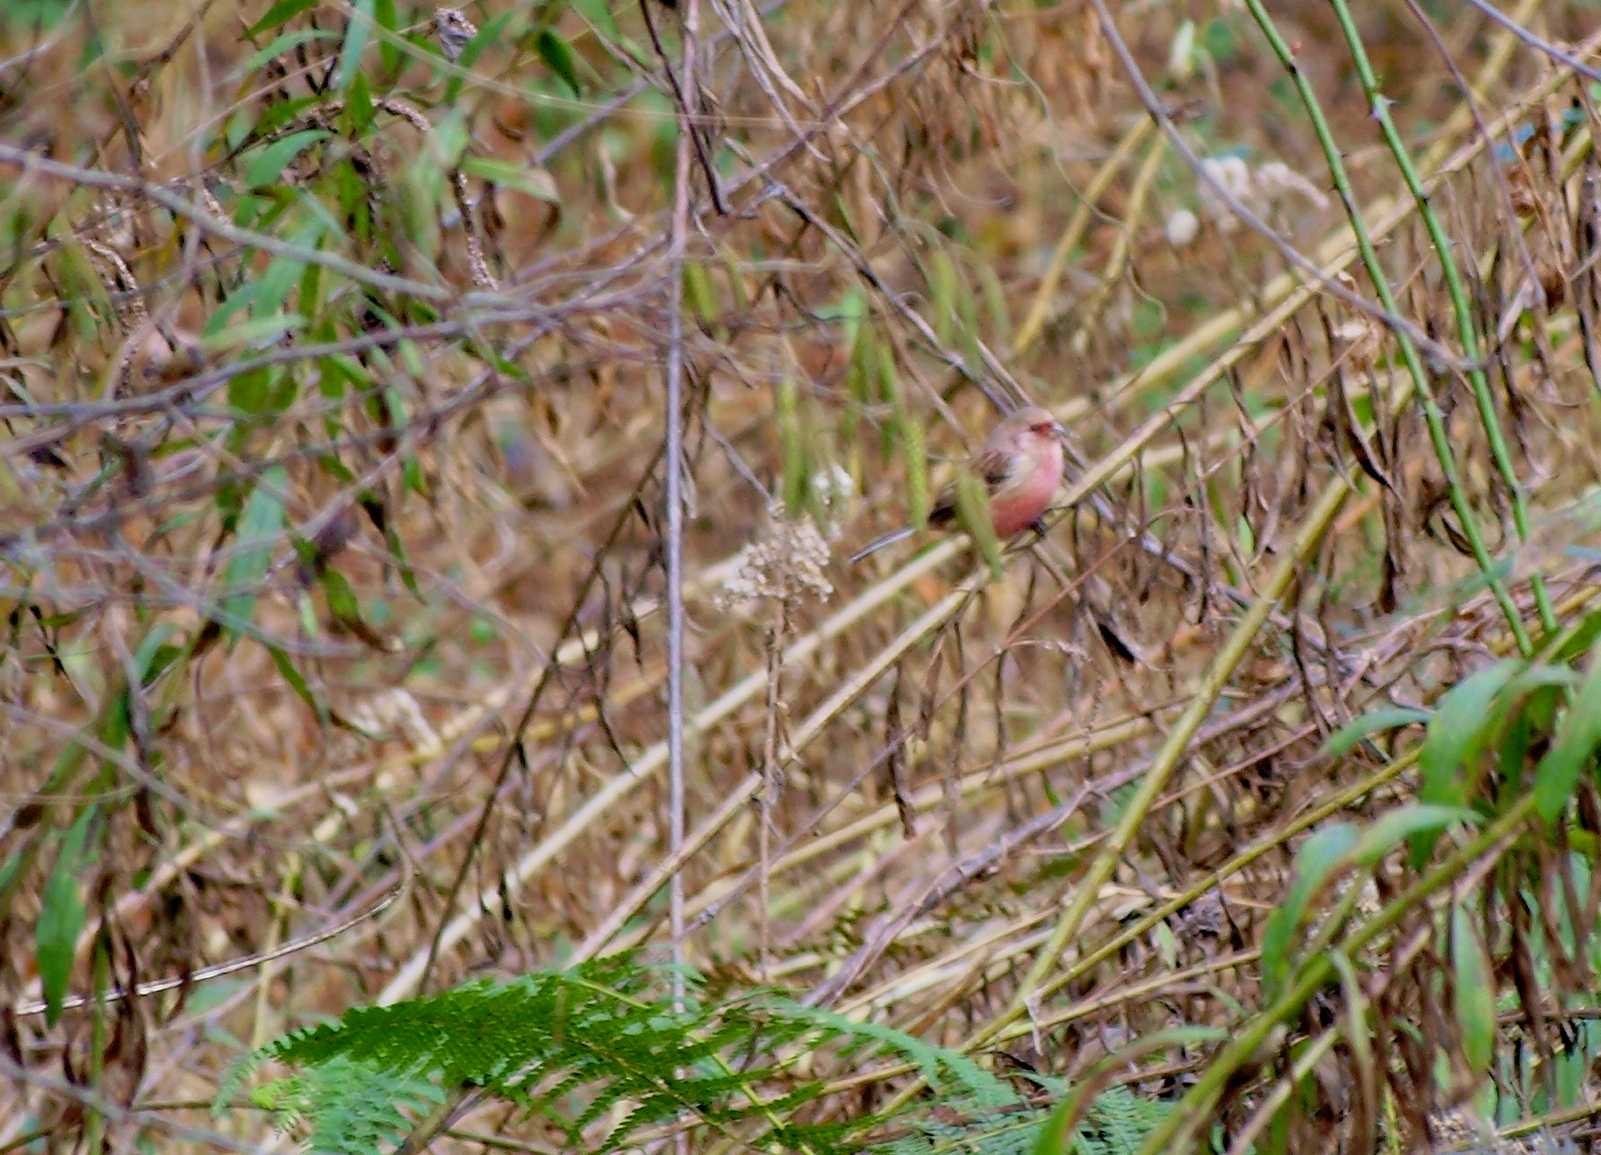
[(1021, 465)]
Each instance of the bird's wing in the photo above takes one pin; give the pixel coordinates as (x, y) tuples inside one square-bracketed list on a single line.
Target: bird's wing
[(998, 469)]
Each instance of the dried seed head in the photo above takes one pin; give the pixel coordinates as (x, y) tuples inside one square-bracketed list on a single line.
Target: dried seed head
[(1357, 342), (393, 713), (454, 31), (785, 564), (1553, 281), (1525, 199)]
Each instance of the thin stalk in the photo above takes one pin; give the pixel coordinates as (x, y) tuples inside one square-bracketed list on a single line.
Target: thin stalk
[(1459, 299), (687, 137), (770, 779), (1435, 420)]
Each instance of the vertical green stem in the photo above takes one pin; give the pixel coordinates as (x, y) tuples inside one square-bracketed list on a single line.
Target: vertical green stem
[(1459, 299), (1409, 353)]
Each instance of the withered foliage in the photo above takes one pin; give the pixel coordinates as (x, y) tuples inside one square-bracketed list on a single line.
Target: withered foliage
[(332, 539)]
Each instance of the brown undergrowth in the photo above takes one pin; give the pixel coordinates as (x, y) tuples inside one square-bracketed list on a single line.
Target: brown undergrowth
[(334, 543)]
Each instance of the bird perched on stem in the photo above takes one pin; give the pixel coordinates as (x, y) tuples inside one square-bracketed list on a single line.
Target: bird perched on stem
[(1020, 466)]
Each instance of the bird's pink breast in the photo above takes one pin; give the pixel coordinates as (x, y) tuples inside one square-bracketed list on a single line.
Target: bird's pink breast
[(1016, 507)]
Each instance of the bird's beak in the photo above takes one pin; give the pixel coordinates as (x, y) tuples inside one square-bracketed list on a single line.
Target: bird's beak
[(1058, 429)]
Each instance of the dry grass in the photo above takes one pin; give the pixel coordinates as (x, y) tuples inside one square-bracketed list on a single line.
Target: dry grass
[(1041, 815)]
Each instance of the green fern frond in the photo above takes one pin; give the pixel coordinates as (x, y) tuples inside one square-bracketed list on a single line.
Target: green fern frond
[(939, 1066), (1116, 1123), (601, 1052)]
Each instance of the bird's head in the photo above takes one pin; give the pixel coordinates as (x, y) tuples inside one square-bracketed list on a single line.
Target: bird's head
[(1034, 427)]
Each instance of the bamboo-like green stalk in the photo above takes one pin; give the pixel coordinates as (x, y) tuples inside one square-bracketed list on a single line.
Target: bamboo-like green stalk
[(1409, 354), (1459, 299)]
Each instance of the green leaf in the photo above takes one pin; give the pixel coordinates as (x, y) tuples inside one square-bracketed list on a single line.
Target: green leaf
[(359, 110), (310, 295), (154, 655), (268, 165), (266, 294), (296, 681), (1394, 826), (388, 18), (1000, 317), (397, 551), (620, 1053), (357, 33), (967, 319), (1578, 735), (1582, 637), (889, 392), (82, 285), (973, 511), (598, 13), (282, 113), (280, 13), (942, 287), (1473, 997), (792, 449), (1537, 677), (700, 294), (1457, 732), (61, 917), (558, 55), (1346, 738), (858, 366), (530, 179), (341, 598), (1319, 857), (915, 459), (260, 524), (249, 332), (284, 43)]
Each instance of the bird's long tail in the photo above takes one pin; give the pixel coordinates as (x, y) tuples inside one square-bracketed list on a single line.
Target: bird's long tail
[(879, 543)]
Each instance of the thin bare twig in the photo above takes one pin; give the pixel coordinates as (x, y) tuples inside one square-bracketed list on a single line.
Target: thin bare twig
[(688, 141)]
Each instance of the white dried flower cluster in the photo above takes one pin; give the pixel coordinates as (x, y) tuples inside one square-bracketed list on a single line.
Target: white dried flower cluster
[(785, 564), (833, 489), (1357, 340), (393, 713), (1182, 228), (1260, 189)]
